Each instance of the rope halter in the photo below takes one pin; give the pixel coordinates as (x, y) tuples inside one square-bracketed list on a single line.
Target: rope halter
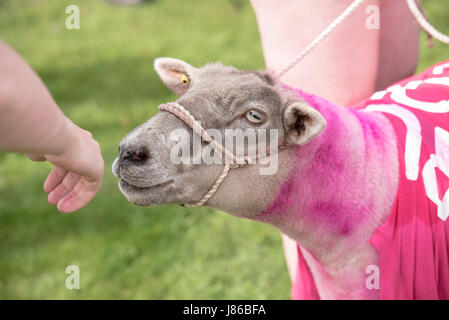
[(235, 162)]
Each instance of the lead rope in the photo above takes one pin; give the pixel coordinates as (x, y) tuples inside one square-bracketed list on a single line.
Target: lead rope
[(345, 14), (425, 24), (321, 36)]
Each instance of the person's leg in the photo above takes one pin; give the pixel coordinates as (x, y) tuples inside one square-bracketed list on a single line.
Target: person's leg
[(350, 64), (353, 61)]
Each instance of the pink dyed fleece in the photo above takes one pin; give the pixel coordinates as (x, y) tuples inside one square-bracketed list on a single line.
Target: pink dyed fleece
[(413, 244)]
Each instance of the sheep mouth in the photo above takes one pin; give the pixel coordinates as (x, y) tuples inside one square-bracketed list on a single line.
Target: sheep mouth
[(125, 184)]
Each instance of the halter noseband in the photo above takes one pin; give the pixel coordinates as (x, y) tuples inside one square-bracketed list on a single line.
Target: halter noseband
[(236, 162)]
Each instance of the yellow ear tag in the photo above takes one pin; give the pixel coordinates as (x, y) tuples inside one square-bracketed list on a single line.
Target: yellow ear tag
[(185, 79)]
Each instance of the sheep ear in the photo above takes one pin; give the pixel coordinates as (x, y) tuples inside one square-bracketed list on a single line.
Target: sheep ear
[(302, 123), (174, 73)]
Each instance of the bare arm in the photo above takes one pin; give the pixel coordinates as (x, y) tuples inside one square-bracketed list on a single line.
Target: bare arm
[(32, 123)]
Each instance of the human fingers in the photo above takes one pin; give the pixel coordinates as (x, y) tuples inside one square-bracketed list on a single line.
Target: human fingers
[(54, 178), (80, 196), (65, 187)]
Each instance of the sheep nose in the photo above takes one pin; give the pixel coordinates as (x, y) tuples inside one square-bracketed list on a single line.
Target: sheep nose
[(134, 154)]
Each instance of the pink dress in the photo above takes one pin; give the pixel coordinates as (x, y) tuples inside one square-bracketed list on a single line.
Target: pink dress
[(413, 244)]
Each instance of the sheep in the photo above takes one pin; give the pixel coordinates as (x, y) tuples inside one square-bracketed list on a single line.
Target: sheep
[(363, 192)]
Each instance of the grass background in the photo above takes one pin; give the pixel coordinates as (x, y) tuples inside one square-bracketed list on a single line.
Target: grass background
[(102, 77)]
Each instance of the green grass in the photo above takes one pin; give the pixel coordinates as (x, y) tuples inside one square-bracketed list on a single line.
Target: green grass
[(102, 77)]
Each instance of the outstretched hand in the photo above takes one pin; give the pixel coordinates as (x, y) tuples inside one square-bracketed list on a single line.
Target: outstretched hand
[(32, 123), (77, 174)]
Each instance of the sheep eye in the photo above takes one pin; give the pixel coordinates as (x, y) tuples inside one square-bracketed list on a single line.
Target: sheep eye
[(255, 116)]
